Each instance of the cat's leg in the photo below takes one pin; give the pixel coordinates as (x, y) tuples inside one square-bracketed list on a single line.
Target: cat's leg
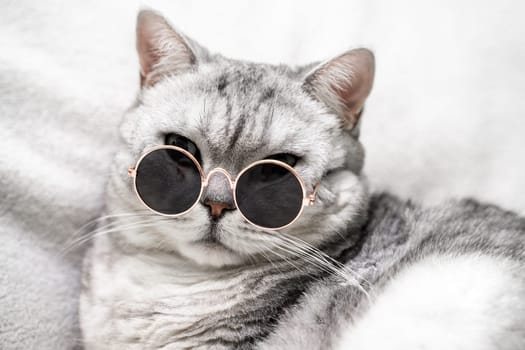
[(466, 302)]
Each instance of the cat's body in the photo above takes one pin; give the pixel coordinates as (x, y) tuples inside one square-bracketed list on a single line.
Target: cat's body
[(351, 272), (444, 277)]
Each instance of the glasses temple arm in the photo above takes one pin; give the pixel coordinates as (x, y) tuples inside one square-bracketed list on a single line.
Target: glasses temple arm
[(310, 199)]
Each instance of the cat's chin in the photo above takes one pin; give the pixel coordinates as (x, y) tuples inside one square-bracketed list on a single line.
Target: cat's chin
[(211, 250), (215, 254)]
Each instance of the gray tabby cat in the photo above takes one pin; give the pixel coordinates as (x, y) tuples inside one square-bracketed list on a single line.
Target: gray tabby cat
[(354, 272)]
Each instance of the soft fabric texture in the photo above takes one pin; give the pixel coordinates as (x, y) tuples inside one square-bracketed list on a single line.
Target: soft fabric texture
[(444, 118)]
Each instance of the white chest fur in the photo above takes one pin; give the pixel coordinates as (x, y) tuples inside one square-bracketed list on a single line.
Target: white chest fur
[(137, 302)]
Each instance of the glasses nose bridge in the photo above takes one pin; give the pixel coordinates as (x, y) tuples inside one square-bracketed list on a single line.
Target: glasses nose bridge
[(221, 171)]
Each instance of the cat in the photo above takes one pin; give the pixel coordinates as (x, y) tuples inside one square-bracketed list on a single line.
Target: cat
[(355, 271)]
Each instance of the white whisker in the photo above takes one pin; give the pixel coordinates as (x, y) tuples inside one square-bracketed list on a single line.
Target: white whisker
[(108, 228)]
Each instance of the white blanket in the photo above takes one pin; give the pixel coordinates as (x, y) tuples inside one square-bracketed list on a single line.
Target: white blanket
[(446, 117)]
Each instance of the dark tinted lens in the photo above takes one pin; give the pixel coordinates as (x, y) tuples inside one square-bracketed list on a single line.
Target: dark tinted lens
[(269, 195), (168, 181)]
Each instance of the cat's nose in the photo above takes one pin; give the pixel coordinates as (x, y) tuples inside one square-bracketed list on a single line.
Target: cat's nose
[(217, 208), (218, 194)]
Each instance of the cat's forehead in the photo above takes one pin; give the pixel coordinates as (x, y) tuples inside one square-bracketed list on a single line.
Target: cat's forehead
[(243, 79), (240, 112), (255, 110)]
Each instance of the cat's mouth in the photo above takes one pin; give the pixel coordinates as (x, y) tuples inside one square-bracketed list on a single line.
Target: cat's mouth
[(212, 238)]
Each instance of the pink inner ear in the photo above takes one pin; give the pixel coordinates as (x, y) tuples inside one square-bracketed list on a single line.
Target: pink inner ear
[(344, 83), (146, 54), (353, 94), (148, 23), (162, 51)]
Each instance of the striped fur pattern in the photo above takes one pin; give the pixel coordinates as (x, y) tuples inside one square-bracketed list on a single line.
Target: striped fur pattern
[(191, 282)]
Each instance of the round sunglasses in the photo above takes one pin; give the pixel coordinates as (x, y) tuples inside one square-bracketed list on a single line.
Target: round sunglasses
[(269, 194)]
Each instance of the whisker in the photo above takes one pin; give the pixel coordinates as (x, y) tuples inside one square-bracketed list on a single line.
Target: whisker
[(341, 270), (310, 254), (109, 228), (109, 216), (316, 257), (268, 249)]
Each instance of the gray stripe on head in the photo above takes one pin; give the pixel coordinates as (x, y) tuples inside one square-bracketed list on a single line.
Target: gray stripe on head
[(241, 122)]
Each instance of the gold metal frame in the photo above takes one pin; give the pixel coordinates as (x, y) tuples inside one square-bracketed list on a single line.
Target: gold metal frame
[(308, 200)]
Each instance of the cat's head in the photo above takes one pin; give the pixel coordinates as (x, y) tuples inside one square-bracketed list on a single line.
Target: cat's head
[(229, 114)]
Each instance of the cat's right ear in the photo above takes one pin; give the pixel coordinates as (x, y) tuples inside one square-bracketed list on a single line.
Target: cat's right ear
[(162, 51), (343, 84)]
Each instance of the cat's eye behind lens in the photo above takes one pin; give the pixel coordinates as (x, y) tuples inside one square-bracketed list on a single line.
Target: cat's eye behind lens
[(183, 142), (268, 193), (168, 180), (287, 158)]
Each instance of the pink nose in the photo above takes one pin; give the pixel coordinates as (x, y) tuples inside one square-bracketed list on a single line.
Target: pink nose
[(217, 208)]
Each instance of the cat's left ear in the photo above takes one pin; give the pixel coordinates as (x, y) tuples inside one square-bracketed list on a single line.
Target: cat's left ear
[(162, 50), (343, 84)]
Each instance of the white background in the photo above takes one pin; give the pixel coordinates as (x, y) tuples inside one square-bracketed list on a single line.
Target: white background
[(445, 118)]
